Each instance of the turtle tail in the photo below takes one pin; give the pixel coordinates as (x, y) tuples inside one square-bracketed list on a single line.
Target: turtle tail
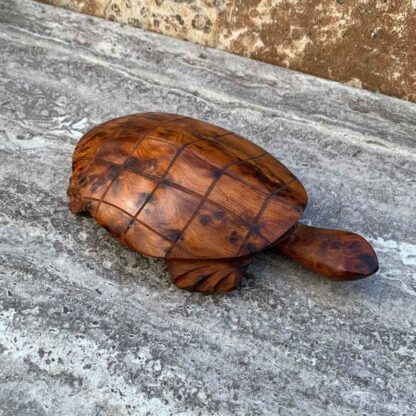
[(339, 255)]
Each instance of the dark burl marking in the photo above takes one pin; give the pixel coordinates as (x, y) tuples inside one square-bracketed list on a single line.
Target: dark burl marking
[(140, 164), (97, 182), (116, 186), (205, 219), (142, 197), (333, 245), (150, 199), (251, 248), (234, 237), (255, 230), (83, 181), (353, 245), (217, 173), (219, 215), (370, 261), (132, 163), (172, 234), (113, 170)]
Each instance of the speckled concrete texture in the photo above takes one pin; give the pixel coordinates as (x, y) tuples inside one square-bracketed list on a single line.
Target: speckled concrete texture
[(88, 327), (366, 43)]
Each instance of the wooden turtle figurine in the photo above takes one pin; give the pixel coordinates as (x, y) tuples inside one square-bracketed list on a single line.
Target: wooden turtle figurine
[(204, 199)]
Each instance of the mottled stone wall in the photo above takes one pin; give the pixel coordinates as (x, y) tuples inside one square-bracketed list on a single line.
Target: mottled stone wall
[(368, 43)]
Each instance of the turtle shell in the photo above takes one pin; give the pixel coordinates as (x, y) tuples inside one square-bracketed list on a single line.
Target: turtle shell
[(178, 188)]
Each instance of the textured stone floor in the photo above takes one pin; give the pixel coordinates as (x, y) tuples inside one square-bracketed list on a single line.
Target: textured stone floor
[(88, 327)]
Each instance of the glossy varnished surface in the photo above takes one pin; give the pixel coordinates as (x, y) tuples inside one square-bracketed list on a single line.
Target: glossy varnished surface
[(208, 275), (90, 328), (178, 188), (339, 255)]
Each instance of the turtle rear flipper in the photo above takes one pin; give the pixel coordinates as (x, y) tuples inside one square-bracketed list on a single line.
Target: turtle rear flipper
[(208, 275)]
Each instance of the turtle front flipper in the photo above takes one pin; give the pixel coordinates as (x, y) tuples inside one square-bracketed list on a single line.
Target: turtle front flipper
[(339, 255), (208, 275)]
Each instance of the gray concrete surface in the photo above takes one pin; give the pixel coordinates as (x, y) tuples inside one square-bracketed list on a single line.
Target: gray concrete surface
[(88, 327)]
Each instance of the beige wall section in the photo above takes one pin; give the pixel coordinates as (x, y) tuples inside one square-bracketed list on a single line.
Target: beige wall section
[(368, 43)]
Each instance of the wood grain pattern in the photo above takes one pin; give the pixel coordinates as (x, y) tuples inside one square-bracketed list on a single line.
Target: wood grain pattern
[(171, 173), (339, 255), (208, 275), (187, 191)]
